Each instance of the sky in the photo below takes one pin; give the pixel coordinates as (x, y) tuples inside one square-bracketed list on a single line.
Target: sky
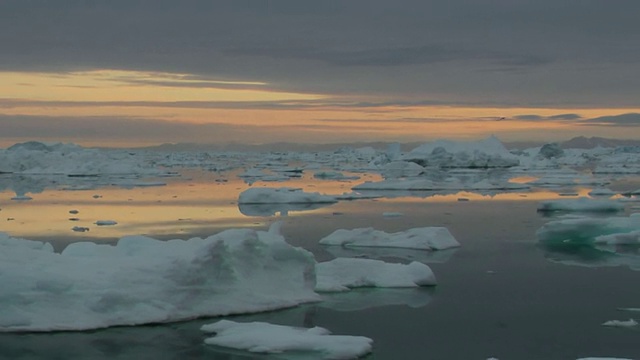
[(138, 73)]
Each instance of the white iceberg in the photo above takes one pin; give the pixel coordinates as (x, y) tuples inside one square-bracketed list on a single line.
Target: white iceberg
[(261, 337), (283, 195), (487, 153), (425, 238), (582, 204), (343, 274), (142, 280)]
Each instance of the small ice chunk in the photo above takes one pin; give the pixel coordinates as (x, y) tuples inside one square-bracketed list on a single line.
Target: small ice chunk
[(21, 198), (392, 214), (261, 337), (621, 323), (426, 238), (342, 274), (601, 192), (333, 175), (106, 222)]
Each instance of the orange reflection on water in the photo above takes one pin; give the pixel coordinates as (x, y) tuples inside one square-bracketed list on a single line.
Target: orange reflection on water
[(176, 207)]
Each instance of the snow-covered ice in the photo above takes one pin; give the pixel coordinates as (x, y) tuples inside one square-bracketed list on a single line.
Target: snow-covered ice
[(487, 153), (343, 274), (261, 337), (425, 238), (143, 280)]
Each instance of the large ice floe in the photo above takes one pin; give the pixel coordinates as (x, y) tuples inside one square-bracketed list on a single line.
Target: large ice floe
[(143, 280), (487, 153), (425, 238), (280, 340)]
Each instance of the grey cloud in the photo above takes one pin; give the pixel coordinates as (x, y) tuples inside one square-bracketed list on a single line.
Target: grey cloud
[(509, 52), (565, 117), (112, 128), (630, 119), (396, 56), (535, 117), (528, 117)]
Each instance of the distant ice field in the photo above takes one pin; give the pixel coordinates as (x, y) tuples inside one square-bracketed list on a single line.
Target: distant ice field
[(503, 293)]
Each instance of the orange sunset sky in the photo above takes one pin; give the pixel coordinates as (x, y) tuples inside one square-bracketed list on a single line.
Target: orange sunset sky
[(142, 73)]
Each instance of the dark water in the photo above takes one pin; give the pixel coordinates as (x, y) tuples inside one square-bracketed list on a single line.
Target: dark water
[(499, 295)]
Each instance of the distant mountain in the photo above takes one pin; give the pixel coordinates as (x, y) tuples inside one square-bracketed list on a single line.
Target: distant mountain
[(582, 142), (579, 142), (276, 147)]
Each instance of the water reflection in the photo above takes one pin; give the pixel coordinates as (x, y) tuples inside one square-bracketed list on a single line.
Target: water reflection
[(363, 298), (594, 256), (282, 209)]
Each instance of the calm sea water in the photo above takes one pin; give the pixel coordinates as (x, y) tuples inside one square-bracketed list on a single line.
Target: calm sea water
[(499, 295)]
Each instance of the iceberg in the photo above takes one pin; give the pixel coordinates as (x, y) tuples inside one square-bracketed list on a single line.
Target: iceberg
[(487, 153), (261, 337), (283, 195), (142, 280), (343, 274), (426, 238)]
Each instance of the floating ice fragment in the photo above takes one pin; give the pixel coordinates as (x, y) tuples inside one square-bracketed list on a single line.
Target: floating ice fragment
[(261, 337), (620, 323), (21, 198), (343, 274), (392, 214), (106, 222)]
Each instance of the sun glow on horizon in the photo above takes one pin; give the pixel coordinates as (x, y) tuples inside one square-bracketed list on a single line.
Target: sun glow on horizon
[(256, 112)]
